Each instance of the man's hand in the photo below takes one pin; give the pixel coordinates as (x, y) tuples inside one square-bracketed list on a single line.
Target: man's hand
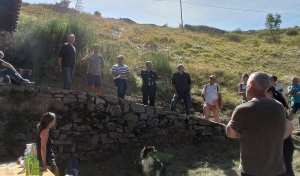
[(175, 94)]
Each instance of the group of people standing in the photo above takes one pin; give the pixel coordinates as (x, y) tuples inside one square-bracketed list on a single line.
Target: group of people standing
[(181, 81)]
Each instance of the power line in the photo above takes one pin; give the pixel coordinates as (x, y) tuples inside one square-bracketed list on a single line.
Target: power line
[(228, 8)]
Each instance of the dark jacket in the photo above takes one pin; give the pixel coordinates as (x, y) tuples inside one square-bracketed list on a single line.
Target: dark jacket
[(146, 81)]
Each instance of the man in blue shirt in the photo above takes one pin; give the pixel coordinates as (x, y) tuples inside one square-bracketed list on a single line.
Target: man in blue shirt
[(294, 93)]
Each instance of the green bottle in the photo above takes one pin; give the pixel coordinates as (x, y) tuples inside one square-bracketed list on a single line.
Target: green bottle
[(35, 166), (27, 164)]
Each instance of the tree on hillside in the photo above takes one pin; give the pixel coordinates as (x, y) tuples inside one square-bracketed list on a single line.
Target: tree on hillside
[(62, 6), (79, 6), (273, 24), (97, 13)]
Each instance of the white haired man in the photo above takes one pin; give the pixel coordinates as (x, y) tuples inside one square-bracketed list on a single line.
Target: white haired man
[(262, 125)]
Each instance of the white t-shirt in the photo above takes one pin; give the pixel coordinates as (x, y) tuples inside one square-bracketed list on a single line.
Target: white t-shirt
[(280, 89), (211, 93)]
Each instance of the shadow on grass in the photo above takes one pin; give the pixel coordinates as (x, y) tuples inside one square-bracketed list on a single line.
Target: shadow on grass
[(201, 159)]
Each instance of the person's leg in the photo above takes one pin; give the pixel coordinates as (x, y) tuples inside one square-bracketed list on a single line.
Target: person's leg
[(91, 83), (174, 103), (9, 72), (152, 97), (118, 83), (6, 79), (72, 71), (26, 75), (124, 87), (294, 108), (215, 111), (288, 159), (288, 152), (187, 103), (98, 84), (91, 88), (145, 92), (53, 165), (206, 111), (67, 75)]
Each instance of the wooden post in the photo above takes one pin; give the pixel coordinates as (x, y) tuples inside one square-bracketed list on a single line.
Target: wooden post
[(181, 14)]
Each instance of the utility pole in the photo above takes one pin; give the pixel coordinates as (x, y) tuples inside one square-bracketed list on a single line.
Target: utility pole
[(181, 14)]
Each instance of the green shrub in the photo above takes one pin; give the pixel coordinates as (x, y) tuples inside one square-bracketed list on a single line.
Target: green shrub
[(292, 32), (160, 63), (234, 37)]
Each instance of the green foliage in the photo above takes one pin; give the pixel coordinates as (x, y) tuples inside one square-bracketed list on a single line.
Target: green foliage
[(204, 29), (97, 13), (160, 63), (238, 31), (256, 42), (234, 37), (17, 97), (273, 24), (292, 32)]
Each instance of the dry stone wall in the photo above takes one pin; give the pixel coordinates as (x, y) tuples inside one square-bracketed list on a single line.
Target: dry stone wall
[(88, 124)]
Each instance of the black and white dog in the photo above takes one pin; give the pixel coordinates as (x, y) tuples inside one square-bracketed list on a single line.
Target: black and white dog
[(150, 164)]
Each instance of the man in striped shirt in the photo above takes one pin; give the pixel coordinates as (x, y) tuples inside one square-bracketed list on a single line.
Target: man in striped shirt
[(120, 72)]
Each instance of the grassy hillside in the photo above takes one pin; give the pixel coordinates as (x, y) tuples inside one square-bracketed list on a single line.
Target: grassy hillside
[(228, 55)]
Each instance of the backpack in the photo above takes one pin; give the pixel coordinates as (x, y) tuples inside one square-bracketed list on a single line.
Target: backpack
[(215, 84), (72, 167)]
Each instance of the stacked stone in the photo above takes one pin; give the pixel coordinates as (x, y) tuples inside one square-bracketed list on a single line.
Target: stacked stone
[(89, 125)]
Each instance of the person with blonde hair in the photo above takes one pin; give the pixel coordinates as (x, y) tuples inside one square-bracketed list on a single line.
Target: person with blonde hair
[(45, 153)]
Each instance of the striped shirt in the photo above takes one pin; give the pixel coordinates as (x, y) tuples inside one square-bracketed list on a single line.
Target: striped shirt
[(121, 69)]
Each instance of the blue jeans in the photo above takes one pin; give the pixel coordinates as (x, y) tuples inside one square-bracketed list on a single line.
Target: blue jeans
[(187, 102), (122, 86), (9, 72), (68, 76)]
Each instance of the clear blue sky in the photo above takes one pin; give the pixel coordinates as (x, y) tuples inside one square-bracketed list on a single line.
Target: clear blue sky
[(214, 13)]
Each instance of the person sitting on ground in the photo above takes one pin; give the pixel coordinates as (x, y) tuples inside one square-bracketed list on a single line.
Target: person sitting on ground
[(277, 86), (12, 72), (211, 95), (242, 88), (25, 73)]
